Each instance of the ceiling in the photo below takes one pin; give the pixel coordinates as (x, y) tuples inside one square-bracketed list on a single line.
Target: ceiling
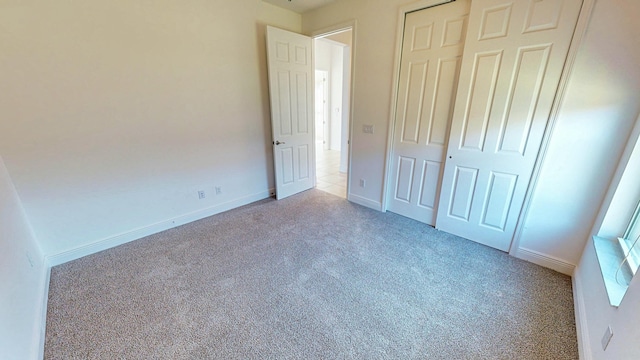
[(299, 6)]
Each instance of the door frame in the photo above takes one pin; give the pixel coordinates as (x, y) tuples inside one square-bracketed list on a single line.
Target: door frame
[(325, 107), (576, 41), (343, 26)]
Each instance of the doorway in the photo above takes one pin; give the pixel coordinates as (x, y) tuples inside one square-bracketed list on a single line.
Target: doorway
[(332, 55)]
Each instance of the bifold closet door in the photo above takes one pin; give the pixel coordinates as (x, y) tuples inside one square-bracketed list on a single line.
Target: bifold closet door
[(513, 59), (431, 54)]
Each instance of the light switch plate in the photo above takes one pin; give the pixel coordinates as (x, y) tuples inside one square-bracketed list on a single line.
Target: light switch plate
[(367, 129)]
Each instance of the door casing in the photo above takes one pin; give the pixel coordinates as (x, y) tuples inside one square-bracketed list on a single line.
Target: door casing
[(347, 25)]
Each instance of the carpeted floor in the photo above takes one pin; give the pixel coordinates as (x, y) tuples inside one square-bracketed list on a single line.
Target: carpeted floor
[(308, 277)]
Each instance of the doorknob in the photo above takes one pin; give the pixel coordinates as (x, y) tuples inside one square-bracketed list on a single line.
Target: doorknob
[(277, 142)]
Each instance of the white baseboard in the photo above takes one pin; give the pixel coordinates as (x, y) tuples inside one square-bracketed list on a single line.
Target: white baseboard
[(545, 260), (580, 310), (141, 232), (43, 311), (365, 202)]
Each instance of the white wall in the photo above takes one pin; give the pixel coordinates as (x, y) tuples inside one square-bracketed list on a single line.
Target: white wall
[(600, 105), (374, 55), (595, 313), (115, 113), (22, 278)]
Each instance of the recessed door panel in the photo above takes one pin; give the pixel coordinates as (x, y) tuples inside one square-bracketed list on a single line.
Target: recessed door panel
[(495, 21), (286, 158), (543, 15), (454, 31), (406, 167), (302, 56), (464, 184), (429, 184), (444, 94), (498, 200), (302, 106), (303, 162), (282, 51), (525, 90), (414, 101), (422, 37), (284, 105), (485, 76)]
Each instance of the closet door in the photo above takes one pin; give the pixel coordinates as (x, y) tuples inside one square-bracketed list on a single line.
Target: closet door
[(431, 53), (513, 59), (290, 91)]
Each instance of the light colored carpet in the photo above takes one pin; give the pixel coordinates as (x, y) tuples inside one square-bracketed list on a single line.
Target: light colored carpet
[(308, 277)]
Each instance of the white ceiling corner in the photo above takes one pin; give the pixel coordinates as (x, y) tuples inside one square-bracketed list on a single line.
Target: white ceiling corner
[(300, 6)]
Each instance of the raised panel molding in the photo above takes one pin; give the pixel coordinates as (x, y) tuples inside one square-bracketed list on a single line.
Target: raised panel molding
[(301, 103), (495, 22), (282, 52), (303, 162), (422, 37), (429, 184), (481, 92), (414, 101), (464, 185), (543, 15), (498, 200), (453, 32), (284, 108), (287, 165), (444, 96), (406, 168), (301, 55), (518, 117)]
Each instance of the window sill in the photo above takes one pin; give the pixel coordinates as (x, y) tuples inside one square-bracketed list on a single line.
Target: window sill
[(616, 277)]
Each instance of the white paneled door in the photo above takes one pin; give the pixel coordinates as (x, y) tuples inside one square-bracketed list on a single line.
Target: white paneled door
[(513, 59), (431, 53), (290, 89)]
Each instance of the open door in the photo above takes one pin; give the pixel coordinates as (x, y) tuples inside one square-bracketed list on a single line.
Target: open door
[(513, 60), (289, 58)]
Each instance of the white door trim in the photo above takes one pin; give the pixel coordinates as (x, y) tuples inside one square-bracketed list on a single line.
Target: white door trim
[(578, 35), (388, 172), (347, 25)]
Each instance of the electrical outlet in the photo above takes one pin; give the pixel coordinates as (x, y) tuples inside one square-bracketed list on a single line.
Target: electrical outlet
[(218, 190), (367, 129), (201, 194), (608, 334), (363, 183)]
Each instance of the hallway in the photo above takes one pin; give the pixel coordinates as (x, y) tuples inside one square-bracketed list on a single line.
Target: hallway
[(329, 178)]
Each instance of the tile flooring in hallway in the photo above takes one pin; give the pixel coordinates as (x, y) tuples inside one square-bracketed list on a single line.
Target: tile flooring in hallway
[(328, 176)]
